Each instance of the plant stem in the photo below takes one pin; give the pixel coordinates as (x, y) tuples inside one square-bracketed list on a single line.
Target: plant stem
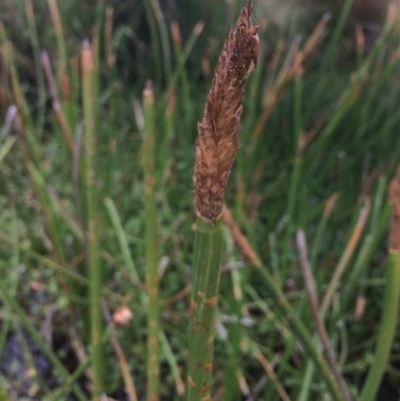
[(92, 218), (284, 306), (388, 324), (206, 272), (151, 246), (300, 331), (320, 326), (387, 329)]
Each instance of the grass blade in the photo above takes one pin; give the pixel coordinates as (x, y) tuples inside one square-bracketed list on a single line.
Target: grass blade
[(387, 329)]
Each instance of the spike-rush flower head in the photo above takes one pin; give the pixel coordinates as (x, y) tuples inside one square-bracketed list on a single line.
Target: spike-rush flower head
[(218, 132)]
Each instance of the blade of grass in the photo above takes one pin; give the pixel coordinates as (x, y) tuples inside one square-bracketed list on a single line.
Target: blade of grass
[(334, 40), (321, 329), (169, 355), (30, 16), (50, 218), (380, 216), (164, 37), (155, 40), (197, 30), (296, 174), (121, 236), (322, 227), (387, 328), (283, 304), (184, 85), (6, 147)]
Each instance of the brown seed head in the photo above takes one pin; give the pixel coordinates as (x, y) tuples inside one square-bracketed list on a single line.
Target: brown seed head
[(394, 200), (218, 132)]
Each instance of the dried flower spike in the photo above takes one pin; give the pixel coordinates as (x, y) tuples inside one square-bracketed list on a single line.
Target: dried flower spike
[(218, 132), (394, 199)]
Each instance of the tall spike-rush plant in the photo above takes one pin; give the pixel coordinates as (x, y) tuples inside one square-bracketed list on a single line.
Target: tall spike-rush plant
[(151, 246), (92, 238), (216, 147)]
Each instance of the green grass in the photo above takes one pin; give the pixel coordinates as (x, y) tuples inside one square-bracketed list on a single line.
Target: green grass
[(344, 107)]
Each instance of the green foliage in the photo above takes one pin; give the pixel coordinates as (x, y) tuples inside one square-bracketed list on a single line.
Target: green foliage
[(344, 102)]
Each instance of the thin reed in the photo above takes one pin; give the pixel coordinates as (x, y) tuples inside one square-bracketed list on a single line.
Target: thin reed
[(92, 222), (152, 278)]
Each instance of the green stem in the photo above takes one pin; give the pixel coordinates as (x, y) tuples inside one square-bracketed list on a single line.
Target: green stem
[(206, 273), (164, 37), (122, 240), (41, 105), (93, 251), (387, 329), (152, 278)]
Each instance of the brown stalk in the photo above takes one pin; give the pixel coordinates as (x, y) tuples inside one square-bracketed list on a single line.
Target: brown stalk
[(218, 132), (5, 90), (55, 16), (394, 200), (330, 204), (182, 294), (360, 39), (273, 65), (129, 385), (312, 297), (271, 374), (176, 35), (241, 241), (348, 252), (58, 28)]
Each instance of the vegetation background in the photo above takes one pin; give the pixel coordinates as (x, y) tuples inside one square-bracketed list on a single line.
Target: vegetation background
[(320, 145)]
